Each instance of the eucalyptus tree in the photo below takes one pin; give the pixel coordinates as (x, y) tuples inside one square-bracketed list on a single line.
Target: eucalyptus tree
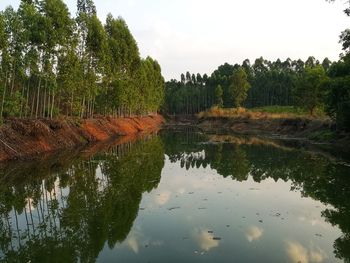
[(124, 64), (58, 28), (12, 62), (3, 60), (52, 64), (96, 46), (239, 87)]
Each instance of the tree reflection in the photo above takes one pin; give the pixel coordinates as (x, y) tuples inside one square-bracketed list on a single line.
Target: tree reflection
[(66, 210), (70, 207), (238, 157)]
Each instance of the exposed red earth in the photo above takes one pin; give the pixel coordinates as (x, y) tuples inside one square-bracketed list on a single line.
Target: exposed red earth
[(26, 139)]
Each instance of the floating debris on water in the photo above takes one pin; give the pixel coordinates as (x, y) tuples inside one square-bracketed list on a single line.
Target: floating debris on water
[(173, 208)]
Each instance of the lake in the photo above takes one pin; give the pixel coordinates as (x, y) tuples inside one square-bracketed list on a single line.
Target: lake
[(179, 196)]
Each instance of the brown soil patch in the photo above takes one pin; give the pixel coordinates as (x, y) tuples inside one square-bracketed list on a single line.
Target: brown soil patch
[(25, 139)]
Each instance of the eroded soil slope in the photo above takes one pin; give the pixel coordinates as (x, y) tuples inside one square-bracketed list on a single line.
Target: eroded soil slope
[(25, 139)]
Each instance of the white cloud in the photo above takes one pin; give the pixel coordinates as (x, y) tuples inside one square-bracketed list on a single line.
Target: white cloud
[(205, 240), (162, 198), (297, 253), (254, 233), (133, 244), (199, 35)]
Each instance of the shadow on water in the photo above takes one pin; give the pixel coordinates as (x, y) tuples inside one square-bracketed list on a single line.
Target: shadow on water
[(69, 207)]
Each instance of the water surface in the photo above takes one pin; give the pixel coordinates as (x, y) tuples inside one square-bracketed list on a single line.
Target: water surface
[(178, 197)]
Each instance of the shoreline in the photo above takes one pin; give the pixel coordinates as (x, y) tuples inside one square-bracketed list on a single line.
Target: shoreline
[(316, 131), (25, 139)]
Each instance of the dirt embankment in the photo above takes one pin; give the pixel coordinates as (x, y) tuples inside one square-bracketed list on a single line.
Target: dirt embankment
[(317, 130), (283, 126), (26, 139)]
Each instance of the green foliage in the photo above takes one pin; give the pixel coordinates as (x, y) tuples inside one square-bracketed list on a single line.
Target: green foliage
[(218, 96), (309, 91), (271, 83), (58, 65), (239, 87), (338, 98)]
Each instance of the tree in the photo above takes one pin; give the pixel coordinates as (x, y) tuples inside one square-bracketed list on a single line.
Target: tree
[(345, 35), (218, 96), (338, 96), (345, 40), (326, 63), (239, 87), (309, 91), (52, 64)]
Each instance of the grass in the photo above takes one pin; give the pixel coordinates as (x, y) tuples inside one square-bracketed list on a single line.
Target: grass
[(289, 110), (323, 136), (269, 112)]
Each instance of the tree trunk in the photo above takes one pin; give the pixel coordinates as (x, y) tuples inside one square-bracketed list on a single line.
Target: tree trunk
[(82, 108), (27, 100), (3, 97), (37, 99), (44, 103), (22, 96), (52, 104)]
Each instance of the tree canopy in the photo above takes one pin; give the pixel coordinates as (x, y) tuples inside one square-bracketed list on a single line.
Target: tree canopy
[(53, 64)]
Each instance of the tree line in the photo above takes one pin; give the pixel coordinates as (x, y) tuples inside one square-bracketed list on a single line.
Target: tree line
[(263, 83), (309, 84), (54, 64)]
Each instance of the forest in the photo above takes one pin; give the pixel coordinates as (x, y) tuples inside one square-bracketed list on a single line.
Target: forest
[(311, 85), (53, 64)]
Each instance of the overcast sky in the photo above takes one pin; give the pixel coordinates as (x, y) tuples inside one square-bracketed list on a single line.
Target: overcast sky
[(199, 35)]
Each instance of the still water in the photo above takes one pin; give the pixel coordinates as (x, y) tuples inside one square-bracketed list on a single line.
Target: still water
[(178, 197)]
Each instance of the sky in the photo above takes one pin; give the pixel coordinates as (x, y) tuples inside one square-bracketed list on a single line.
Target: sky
[(200, 35)]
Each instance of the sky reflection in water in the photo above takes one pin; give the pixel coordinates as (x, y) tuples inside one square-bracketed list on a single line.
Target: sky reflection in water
[(173, 198)]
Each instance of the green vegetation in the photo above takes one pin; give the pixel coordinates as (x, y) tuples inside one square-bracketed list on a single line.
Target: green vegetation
[(290, 88), (239, 87), (309, 93), (52, 64), (294, 87), (265, 83)]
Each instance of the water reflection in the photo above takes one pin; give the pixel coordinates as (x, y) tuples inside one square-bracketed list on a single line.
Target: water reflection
[(77, 207), (72, 212), (254, 233), (241, 157), (298, 253), (206, 240)]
